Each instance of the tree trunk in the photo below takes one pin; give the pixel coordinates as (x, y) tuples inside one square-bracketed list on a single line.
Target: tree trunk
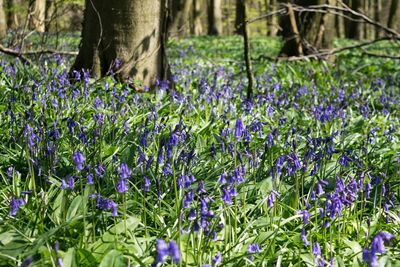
[(38, 15), (393, 14), (377, 15), (49, 15), (306, 32), (355, 31), (12, 14), (246, 44), (197, 27), (240, 14), (3, 24), (179, 17), (214, 17), (126, 37)]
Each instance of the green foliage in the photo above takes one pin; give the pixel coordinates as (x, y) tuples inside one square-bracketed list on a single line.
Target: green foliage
[(339, 119)]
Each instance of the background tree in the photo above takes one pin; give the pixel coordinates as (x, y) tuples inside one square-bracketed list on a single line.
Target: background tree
[(240, 15), (3, 24), (37, 10), (306, 32), (13, 10), (196, 24), (214, 17), (131, 31), (393, 14), (179, 17)]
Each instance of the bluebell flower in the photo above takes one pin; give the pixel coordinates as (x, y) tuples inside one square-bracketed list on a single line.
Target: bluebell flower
[(239, 128), (15, 205), (217, 259), (124, 171), (164, 250), (303, 237), (253, 248), (122, 185), (69, 184), (174, 252), (78, 159), (27, 262)]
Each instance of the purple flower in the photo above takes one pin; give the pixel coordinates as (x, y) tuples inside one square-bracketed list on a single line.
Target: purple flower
[(303, 237), (27, 262), (124, 171), (15, 205), (69, 184), (253, 248), (217, 259), (239, 127), (78, 158), (271, 198), (306, 216), (174, 252), (122, 186), (226, 196), (377, 246), (164, 250)]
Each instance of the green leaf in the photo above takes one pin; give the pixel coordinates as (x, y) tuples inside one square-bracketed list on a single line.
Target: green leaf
[(70, 258), (75, 208), (113, 258)]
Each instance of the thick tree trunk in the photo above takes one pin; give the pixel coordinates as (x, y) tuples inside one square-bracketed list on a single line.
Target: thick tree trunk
[(129, 31), (393, 14), (3, 24), (197, 27), (38, 15), (239, 18), (179, 17), (306, 32), (214, 17)]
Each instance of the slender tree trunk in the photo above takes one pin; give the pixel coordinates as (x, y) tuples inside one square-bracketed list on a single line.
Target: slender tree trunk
[(197, 27), (393, 14), (272, 21), (377, 15), (239, 18), (125, 36), (3, 23), (246, 44), (355, 31), (38, 15), (214, 17), (179, 21), (12, 14)]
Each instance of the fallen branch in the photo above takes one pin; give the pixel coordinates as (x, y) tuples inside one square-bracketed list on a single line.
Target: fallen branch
[(15, 53), (22, 55), (324, 54)]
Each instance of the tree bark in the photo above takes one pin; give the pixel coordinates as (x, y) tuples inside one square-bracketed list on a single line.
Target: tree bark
[(393, 14), (3, 24), (38, 15), (197, 27), (239, 18), (377, 16), (179, 19), (306, 32), (214, 17), (12, 14), (355, 31), (131, 32), (246, 44)]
